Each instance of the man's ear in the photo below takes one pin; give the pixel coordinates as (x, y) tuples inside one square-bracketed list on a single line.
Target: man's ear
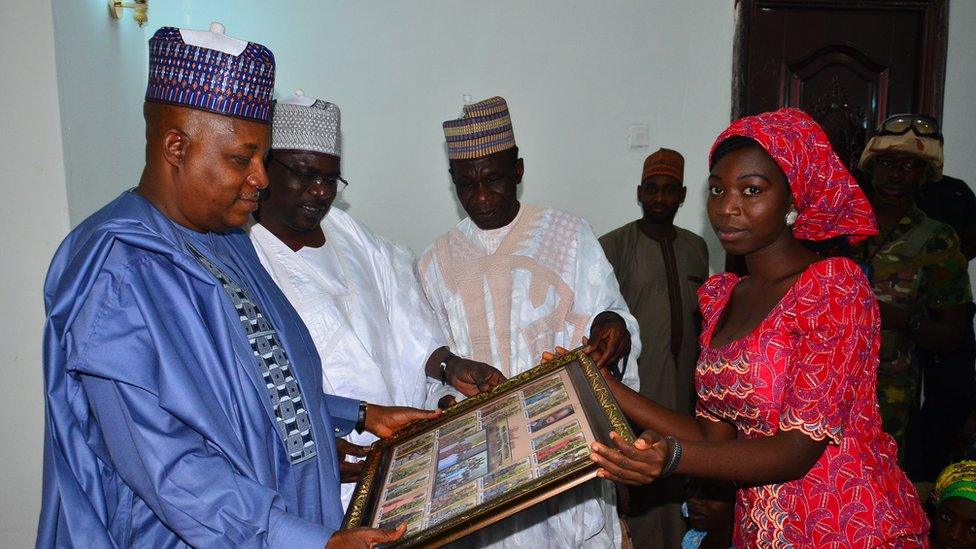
[(175, 145), (683, 193), (519, 170)]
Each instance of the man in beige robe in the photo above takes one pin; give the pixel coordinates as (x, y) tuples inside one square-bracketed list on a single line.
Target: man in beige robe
[(659, 267), (512, 281)]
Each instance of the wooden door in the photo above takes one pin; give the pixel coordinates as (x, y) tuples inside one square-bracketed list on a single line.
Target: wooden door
[(848, 63)]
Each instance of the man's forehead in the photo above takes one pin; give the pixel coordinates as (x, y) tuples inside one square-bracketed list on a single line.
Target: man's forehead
[(228, 129), (499, 160), (899, 155), (326, 163), (305, 155), (661, 181)]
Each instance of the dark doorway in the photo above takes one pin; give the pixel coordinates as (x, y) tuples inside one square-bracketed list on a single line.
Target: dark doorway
[(848, 63)]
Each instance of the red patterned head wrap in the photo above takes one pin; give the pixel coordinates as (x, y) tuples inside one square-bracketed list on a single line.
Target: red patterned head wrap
[(827, 198)]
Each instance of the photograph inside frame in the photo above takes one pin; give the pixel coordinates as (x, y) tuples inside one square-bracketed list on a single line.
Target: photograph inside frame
[(531, 429)]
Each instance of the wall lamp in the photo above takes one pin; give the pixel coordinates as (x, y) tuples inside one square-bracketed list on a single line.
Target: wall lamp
[(140, 9)]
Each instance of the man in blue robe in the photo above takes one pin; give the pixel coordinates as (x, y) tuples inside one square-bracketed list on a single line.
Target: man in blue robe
[(183, 393)]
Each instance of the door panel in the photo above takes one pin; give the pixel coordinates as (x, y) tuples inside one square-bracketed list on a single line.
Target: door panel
[(849, 64)]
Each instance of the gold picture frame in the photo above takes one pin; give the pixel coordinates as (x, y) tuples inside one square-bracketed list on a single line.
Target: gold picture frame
[(469, 468)]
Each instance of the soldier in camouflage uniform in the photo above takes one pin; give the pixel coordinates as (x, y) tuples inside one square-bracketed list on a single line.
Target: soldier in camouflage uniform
[(916, 268)]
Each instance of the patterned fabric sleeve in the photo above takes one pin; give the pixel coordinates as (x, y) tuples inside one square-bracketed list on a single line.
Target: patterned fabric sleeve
[(836, 334), (701, 411), (427, 275), (713, 295), (946, 282)]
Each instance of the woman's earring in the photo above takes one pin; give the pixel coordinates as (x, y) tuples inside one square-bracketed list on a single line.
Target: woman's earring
[(791, 217)]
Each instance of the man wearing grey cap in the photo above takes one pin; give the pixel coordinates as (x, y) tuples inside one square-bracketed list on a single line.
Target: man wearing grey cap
[(375, 333), (183, 403)]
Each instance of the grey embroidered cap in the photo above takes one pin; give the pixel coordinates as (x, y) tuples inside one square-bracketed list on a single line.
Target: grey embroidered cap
[(303, 123)]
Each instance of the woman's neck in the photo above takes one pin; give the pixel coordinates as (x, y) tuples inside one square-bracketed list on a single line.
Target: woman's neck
[(781, 259)]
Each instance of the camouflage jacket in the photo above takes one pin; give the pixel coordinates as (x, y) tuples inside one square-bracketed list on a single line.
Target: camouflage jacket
[(916, 265)]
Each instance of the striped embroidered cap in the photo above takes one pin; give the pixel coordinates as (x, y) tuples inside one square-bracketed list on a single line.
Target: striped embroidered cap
[(209, 71), (302, 123), (664, 162), (484, 128)]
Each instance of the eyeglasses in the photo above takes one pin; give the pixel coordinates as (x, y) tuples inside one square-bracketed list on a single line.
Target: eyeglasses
[(899, 124), (308, 179)]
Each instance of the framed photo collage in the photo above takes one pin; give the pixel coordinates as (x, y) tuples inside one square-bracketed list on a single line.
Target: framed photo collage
[(489, 456)]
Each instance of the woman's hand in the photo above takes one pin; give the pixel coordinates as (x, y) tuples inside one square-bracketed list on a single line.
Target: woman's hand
[(634, 464), (385, 421), (607, 373), (548, 356)]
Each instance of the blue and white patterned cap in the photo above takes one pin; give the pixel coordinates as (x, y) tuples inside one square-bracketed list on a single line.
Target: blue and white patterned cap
[(302, 123), (484, 128), (210, 71)]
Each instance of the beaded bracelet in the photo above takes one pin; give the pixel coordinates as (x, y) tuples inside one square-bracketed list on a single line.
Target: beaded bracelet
[(674, 457)]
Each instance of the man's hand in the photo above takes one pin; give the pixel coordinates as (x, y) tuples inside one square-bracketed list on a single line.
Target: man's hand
[(446, 402), (385, 421), (634, 464), (364, 538), (349, 470), (609, 339), (472, 377)]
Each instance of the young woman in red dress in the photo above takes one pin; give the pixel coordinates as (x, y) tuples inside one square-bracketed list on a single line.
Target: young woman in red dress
[(786, 381)]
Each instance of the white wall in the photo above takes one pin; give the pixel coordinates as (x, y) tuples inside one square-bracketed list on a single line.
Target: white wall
[(575, 73), (33, 219), (102, 66), (959, 111)]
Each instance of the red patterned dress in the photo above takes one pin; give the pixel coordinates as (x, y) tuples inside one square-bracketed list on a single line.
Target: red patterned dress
[(811, 366)]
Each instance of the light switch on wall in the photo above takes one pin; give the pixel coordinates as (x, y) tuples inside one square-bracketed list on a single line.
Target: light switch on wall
[(638, 135)]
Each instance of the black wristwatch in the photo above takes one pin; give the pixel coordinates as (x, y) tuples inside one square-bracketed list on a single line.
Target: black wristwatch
[(443, 367), (361, 419)]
